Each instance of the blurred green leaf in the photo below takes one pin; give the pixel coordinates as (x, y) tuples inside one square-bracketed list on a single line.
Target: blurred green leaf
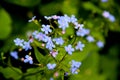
[(70, 7), (34, 73), (50, 9), (38, 55), (109, 67), (5, 24), (92, 7), (11, 72), (25, 3)]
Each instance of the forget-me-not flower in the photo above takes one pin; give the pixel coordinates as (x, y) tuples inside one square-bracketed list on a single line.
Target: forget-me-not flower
[(26, 46), (111, 18), (40, 36), (63, 22), (106, 14), (90, 39), (74, 66), (33, 18), (51, 66), (49, 44), (82, 32), (69, 49), (46, 29), (14, 54), (18, 42), (104, 0), (28, 59), (78, 26), (51, 78), (59, 41), (80, 46), (100, 44), (73, 19)]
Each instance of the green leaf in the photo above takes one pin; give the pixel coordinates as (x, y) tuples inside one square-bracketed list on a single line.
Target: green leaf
[(34, 73), (70, 7), (11, 72), (38, 55), (92, 7), (25, 3), (5, 24), (50, 9)]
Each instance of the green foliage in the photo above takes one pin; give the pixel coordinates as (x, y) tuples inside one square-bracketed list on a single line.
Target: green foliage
[(25, 3), (5, 24), (90, 6), (50, 9), (11, 72), (70, 7), (38, 55)]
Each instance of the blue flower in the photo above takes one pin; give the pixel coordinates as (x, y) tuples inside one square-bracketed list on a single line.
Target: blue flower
[(51, 78), (104, 0), (59, 41), (51, 66), (74, 66), (90, 39), (82, 32), (46, 29), (106, 14), (14, 54), (46, 38), (35, 33), (67, 18), (80, 46), (18, 42), (78, 26), (63, 22), (100, 44), (73, 19), (26, 46), (40, 36), (69, 49), (74, 70), (28, 59), (33, 18), (111, 18), (49, 44)]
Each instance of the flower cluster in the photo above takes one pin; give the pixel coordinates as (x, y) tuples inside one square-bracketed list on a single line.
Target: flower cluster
[(74, 66), (53, 39), (20, 42), (109, 16)]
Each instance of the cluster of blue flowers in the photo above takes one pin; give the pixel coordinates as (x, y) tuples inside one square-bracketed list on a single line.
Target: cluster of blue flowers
[(109, 16), (51, 43), (25, 45), (74, 66)]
